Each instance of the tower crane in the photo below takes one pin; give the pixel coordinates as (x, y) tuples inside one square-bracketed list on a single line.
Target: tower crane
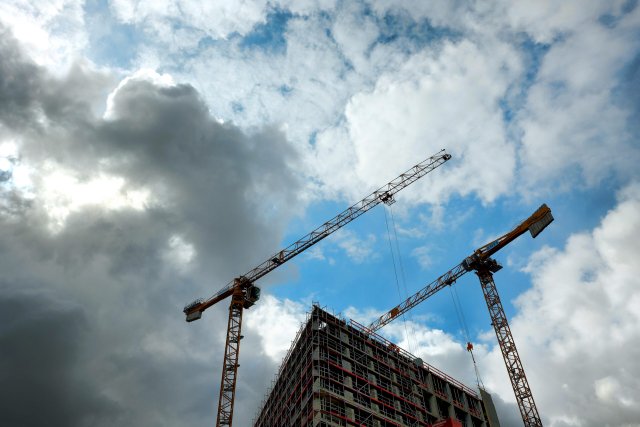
[(244, 293), (484, 266)]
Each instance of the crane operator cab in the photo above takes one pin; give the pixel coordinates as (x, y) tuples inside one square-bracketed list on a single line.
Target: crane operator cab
[(251, 296)]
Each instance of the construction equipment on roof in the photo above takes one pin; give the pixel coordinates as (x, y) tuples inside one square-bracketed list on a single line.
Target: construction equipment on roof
[(484, 266), (244, 293)]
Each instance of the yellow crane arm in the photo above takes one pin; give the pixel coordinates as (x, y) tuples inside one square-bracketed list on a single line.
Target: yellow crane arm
[(537, 222)]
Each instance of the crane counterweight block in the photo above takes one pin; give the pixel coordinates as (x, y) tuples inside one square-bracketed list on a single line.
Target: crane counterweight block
[(191, 310), (537, 227), (193, 315)]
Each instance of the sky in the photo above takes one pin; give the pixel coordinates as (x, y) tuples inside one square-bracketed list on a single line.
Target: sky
[(151, 151)]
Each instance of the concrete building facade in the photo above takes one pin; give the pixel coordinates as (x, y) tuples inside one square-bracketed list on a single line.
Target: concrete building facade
[(337, 373)]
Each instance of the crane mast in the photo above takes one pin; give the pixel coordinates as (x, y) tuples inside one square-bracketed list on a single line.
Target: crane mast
[(484, 266), (244, 293), (519, 382), (230, 361)]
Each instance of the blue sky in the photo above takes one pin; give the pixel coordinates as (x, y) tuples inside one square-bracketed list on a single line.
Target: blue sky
[(152, 151)]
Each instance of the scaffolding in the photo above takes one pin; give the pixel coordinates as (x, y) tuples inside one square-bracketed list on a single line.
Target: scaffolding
[(338, 373)]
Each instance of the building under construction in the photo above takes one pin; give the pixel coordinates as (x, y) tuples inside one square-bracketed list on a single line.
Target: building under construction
[(339, 373)]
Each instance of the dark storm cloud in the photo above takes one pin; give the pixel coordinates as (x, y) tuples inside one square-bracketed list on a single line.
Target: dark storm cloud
[(41, 339), (19, 83), (28, 94), (177, 149), (92, 331)]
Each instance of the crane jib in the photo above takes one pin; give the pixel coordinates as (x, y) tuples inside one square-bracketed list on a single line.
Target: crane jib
[(492, 244), (382, 195)]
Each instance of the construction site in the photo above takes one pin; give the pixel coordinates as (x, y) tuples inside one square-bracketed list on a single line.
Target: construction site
[(339, 373)]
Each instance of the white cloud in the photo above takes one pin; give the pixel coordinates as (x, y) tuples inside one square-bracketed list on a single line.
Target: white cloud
[(51, 31), (355, 44), (307, 7), (141, 75), (356, 248), (276, 322), (423, 255), (298, 88), (572, 120), (439, 12), (62, 193), (545, 20), (303, 88), (446, 97), (218, 19), (385, 98), (180, 252), (608, 390), (315, 253)]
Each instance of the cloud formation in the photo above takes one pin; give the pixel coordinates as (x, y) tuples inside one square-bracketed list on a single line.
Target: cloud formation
[(423, 107), (149, 152), (94, 279), (507, 83)]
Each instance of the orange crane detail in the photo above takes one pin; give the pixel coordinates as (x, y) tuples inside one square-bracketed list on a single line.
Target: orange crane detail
[(484, 266), (244, 293)]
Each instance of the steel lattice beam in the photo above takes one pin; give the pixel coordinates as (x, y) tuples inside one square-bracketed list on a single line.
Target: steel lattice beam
[(230, 365), (446, 279), (512, 361)]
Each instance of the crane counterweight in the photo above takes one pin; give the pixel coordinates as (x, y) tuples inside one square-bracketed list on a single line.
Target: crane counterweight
[(194, 315), (537, 227)]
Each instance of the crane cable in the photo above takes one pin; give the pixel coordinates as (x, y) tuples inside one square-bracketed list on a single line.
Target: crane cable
[(395, 269), (463, 324)]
